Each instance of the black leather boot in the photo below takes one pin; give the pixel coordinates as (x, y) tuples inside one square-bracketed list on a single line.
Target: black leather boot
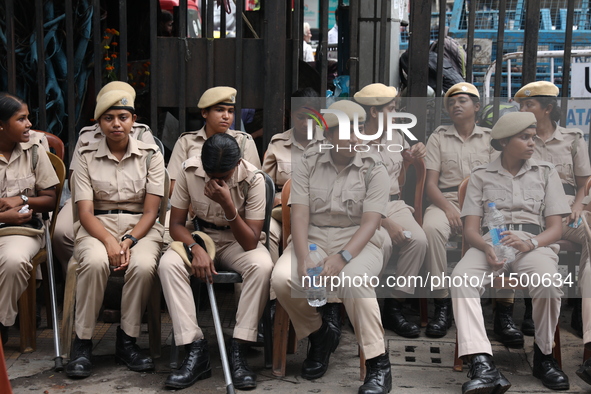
[(584, 371), (242, 376), (195, 366), (546, 369), (393, 319), (378, 376), (331, 313), (4, 333), (128, 352), (485, 377), (576, 319), (80, 365), (321, 344), (442, 318), (508, 334), (527, 325)]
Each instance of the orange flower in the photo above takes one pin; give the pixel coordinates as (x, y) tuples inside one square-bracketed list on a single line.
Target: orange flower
[(143, 85), (114, 43), (107, 58), (114, 56)]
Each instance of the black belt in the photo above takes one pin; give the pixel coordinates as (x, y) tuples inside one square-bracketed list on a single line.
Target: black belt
[(449, 189), (113, 211), (204, 224), (394, 197), (528, 228), (569, 189)]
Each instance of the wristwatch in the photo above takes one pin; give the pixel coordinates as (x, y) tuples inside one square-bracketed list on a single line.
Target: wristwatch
[(129, 236), (534, 242), (24, 198), (345, 255)]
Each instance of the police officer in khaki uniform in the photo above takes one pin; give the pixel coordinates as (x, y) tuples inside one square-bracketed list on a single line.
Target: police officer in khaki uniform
[(567, 150), (22, 182), (63, 234), (452, 152), (379, 100), (228, 198), (118, 183), (338, 199), (529, 195)]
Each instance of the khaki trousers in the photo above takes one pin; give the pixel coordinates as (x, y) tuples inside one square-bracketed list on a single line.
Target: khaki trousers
[(255, 266), (63, 236), (585, 283), (411, 255), (16, 253), (472, 338), (93, 272), (360, 301)]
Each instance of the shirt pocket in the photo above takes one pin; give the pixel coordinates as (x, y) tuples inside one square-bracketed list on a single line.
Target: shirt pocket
[(564, 169), (283, 171), (450, 163), (319, 201), (533, 200), (477, 159), (103, 190), (201, 209), (133, 190), (353, 202), (498, 196), (26, 185)]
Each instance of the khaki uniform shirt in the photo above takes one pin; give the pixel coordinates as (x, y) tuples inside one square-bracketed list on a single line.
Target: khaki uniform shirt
[(528, 197), (567, 150), (114, 184), (91, 134), (392, 160), (17, 176), (339, 199), (246, 188), (282, 151), (190, 143), (40, 138), (453, 158)]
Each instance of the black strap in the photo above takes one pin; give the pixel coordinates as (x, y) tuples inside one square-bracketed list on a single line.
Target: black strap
[(394, 197), (204, 224), (449, 189), (526, 227), (569, 189), (113, 211)]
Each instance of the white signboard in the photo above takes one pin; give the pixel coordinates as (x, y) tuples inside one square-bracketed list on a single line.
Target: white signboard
[(578, 115), (581, 80)]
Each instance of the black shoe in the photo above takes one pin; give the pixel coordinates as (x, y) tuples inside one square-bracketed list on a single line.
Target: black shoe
[(527, 325), (378, 376), (485, 377), (393, 319), (128, 352), (546, 369), (242, 376), (321, 344), (576, 319), (584, 371), (195, 366), (80, 365), (508, 334), (331, 313), (4, 333), (442, 318)]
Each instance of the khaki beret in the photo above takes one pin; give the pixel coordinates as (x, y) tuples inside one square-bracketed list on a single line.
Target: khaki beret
[(117, 99), (116, 85), (509, 125), (462, 88), (537, 89), (376, 94), (348, 107), (184, 252), (220, 94)]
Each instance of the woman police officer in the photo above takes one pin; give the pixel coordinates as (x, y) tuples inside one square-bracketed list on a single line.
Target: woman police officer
[(529, 195), (118, 184), (22, 182), (338, 198), (228, 198)]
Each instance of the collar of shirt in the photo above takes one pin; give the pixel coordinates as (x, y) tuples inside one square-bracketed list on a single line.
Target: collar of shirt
[(453, 132), (239, 175), (496, 166), (17, 151), (289, 139), (556, 135), (104, 151), (327, 158)]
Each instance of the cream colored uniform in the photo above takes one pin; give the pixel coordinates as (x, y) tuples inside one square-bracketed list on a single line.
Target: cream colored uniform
[(281, 152), (568, 151), (63, 234), (453, 158), (40, 138), (526, 198), (248, 194), (112, 184), (412, 254), (336, 209), (584, 280), (18, 177)]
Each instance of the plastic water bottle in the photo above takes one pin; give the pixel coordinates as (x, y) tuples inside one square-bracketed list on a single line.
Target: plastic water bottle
[(314, 265), (496, 225)]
